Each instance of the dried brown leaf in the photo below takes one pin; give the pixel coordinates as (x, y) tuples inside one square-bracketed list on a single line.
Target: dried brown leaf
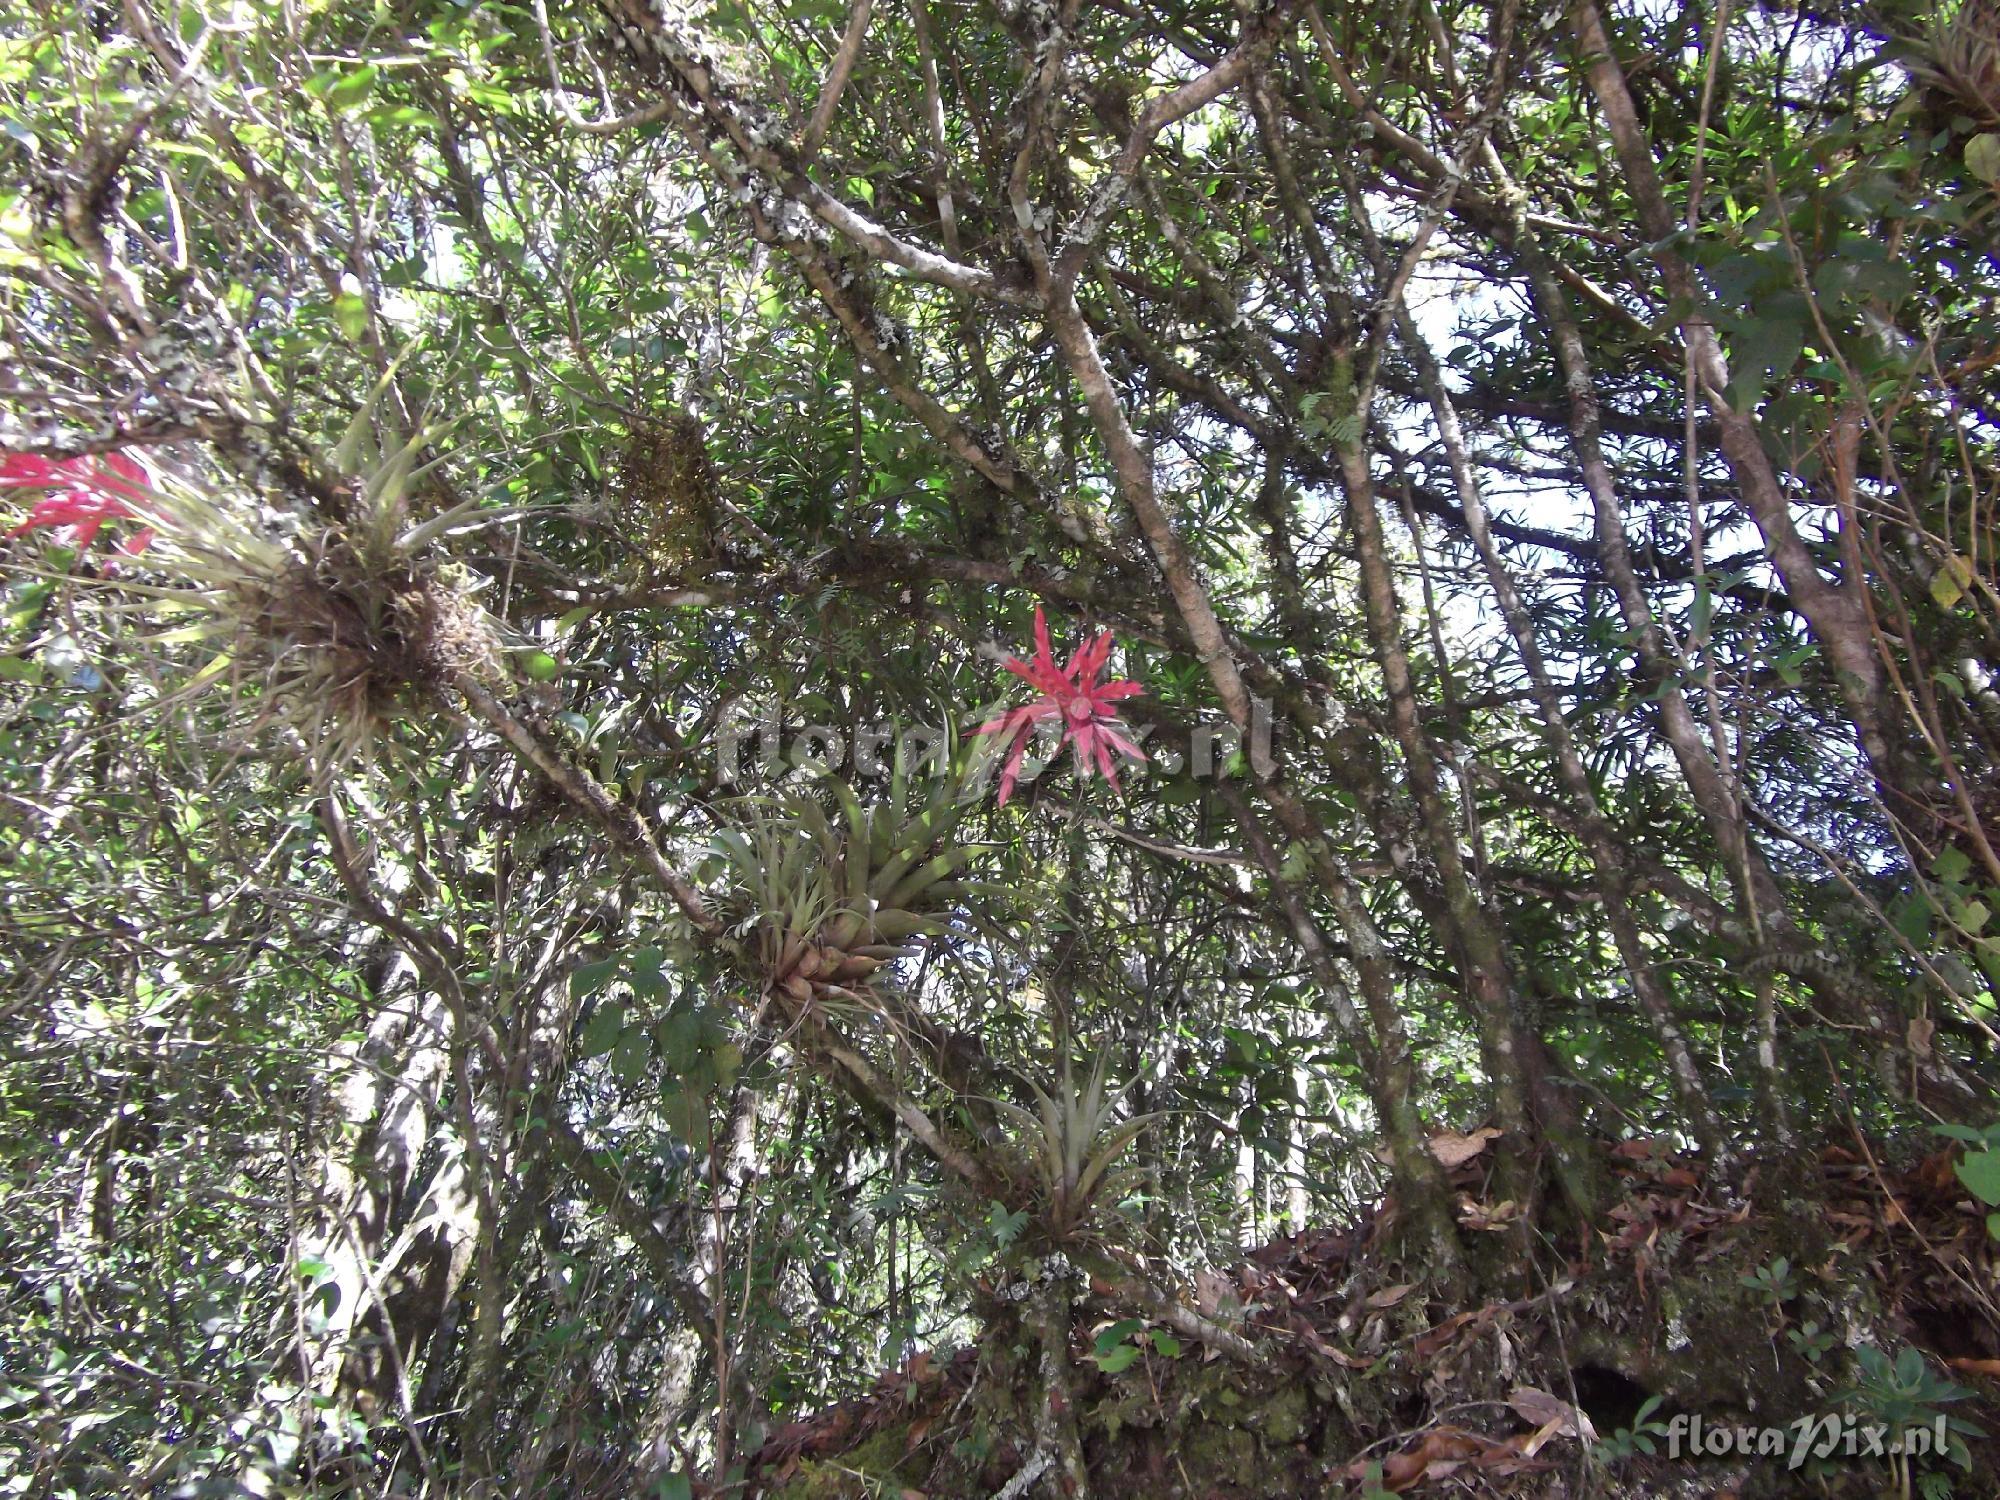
[(1454, 1149)]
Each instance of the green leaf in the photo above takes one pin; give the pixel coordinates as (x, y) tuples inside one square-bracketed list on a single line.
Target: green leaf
[(686, 1115), (1005, 1226), (27, 601), (1949, 583), (588, 979), (353, 88), (1703, 609), (643, 974), (1110, 1338), (540, 666), (1765, 346), (350, 311), (1981, 1174), (1913, 917), (601, 1031), (402, 114), (1982, 157), (1117, 1360), (632, 1056)]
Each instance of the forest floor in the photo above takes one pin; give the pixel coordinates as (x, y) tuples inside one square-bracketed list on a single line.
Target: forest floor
[(1788, 1312)]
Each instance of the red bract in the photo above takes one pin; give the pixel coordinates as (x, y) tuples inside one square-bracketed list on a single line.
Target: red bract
[(83, 493), (1075, 696)]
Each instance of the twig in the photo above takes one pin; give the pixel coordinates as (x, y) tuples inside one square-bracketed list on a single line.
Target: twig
[(836, 79)]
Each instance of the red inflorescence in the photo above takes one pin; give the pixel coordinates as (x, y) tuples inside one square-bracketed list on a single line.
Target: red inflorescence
[(1073, 696), (81, 494)]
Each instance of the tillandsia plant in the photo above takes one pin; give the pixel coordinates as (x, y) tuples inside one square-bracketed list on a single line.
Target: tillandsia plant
[(825, 901), (333, 626), (1958, 56), (1072, 1138)]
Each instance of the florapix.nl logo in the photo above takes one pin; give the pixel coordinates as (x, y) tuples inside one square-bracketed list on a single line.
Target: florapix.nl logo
[(759, 744), (1828, 1436)]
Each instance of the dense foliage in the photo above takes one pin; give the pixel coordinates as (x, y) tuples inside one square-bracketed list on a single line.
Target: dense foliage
[(520, 978)]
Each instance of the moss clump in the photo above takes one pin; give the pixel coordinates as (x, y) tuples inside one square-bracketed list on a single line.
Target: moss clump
[(1283, 1419), (667, 492), (864, 1469), (1213, 1448)]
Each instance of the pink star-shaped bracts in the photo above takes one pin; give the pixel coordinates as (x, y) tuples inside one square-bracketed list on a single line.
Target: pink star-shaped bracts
[(1072, 694)]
